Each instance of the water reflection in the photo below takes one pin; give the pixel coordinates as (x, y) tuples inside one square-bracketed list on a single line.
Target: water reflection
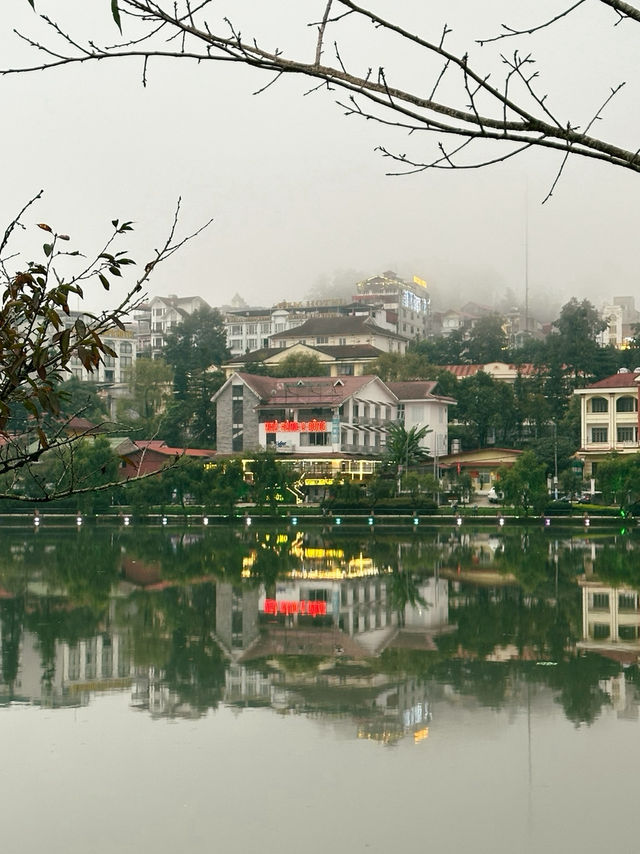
[(384, 631)]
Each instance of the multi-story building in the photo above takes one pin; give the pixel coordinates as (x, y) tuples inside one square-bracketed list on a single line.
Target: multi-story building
[(343, 360), (340, 331), (608, 418), (621, 317), (165, 313), (111, 369), (250, 330), (324, 415), (407, 304), (610, 616)]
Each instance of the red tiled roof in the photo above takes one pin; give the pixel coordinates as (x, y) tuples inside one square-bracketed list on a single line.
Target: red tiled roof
[(413, 390), (526, 370), (624, 380), (299, 390), (160, 447)]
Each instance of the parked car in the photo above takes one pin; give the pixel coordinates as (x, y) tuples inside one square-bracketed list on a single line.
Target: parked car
[(494, 496)]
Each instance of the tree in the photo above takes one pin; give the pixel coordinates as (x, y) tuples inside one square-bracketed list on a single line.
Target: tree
[(578, 327), (487, 341), (151, 390), (487, 406), (40, 340), (524, 485), (81, 398), (195, 345), (195, 349), (460, 102), (90, 465), (404, 446), (299, 365), (400, 367)]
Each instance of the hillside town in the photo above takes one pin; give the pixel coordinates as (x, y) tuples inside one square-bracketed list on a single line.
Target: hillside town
[(378, 389)]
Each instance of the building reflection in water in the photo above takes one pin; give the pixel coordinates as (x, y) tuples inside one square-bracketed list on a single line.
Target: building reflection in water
[(611, 628), (329, 628)]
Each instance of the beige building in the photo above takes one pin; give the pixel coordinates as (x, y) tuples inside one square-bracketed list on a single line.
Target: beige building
[(344, 360), (608, 418), (339, 331)]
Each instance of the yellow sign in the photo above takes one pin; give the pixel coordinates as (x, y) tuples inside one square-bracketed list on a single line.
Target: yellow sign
[(418, 281), (318, 481)]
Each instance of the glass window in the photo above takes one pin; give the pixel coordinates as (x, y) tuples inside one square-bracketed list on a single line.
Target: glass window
[(627, 434), (599, 434), (627, 404), (601, 600), (600, 631), (628, 633), (599, 404), (627, 601)]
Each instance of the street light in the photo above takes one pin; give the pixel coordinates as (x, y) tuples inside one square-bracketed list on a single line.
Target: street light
[(555, 461)]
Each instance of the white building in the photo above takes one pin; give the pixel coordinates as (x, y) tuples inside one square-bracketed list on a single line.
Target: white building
[(165, 313), (324, 415)]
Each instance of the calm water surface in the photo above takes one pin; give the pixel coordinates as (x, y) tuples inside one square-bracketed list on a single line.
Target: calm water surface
[(298, 691)]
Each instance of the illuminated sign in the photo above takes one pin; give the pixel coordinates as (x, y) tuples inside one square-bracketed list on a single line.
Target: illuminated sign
[(303, 606), (318, 481), (313, 426)]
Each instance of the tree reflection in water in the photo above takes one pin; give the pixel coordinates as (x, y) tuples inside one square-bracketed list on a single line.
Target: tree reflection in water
[(173, 616)]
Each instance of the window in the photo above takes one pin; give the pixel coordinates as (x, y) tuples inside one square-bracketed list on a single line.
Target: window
[(599, 404), (600, 601), (600, 631), (307, 439), (252, 343), (235, 344), (627, 601), (627, 404), (157, 342), (237, 417), (599, 434), (236, 329), (628, 633), (400, 412), (342, 342), (252, 329), (627, 434), (322, 339)]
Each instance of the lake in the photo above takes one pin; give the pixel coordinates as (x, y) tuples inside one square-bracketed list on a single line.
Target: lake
[(289, 689)]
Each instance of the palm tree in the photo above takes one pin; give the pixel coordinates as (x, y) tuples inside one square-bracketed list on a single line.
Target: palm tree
[(403, 446)]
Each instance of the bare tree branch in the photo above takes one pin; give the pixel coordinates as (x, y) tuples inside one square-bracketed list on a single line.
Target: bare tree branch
[(512, 114)]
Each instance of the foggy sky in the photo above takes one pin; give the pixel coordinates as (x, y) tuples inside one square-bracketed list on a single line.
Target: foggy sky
[(296, 189)]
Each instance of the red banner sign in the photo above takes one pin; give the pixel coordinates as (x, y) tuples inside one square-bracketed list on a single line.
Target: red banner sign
[(313, 426), (302, 606)]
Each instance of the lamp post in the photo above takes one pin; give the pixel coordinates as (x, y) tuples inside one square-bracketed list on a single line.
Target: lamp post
[(555, 461)]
